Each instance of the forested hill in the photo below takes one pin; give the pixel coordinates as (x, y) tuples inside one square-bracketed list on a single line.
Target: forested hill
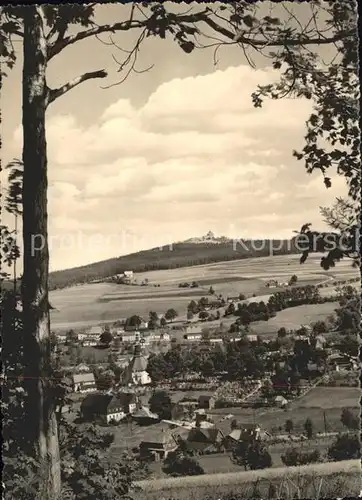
[(182, 255)]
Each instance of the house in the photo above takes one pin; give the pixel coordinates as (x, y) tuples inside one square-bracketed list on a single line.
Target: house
[(193, 329), (215, 340), (252, 338), (143, 325), (193, 337), (188, 403), (61, 338), (94, 330), (244, 432), (280, 401), (202, 440), (90, 341), (143, 416), (127, 277), (158, 442), (320, 341), (157, 337), (130, 336), (108, 407), (206, 402), (136, 371), (84, 382), (117, 332), (82, 368)]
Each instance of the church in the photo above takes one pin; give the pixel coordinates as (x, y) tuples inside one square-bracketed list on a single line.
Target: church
[(136, 371)]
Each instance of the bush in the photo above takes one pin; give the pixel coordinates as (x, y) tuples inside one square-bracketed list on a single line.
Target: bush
[(345, 448), (295, 457)]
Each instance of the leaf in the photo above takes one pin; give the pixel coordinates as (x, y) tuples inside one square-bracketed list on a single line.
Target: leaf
[(249, 21), (187, 46), (327, 182)]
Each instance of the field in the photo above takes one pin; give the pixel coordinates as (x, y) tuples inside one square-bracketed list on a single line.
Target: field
[(90, 304), (326, 480), (294, 317)]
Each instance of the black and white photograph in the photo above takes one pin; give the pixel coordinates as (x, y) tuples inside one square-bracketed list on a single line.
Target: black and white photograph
[(180, 261)]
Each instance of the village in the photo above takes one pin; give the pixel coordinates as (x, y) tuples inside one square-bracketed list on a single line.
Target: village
[(162, 383)]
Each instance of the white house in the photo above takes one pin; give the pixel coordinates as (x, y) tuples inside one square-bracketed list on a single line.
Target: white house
[(157, 337), (108, 407), (252, 338), (84, 382), (193, 337), (130, 336), (90, 341), (193, 329), (82, 368), (93, 331), (61, 338)]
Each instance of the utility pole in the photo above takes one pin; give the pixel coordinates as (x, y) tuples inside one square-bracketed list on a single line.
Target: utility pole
[(325, 422)]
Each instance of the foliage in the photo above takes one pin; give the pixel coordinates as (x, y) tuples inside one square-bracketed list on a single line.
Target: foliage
[(134, 321), (294, 457), (319, 327), (106, 337), (161, 404), (178, 463), (105, 380), (86, 470), (333, 138), (348, 316), (282, 332), (308, 427), (171, 314), (345, 447), (289, 426), (293, 280), (251, 454), (349, 419)]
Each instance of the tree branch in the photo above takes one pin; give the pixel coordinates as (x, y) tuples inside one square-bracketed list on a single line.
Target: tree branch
[(59, 45), (55, 93), (239, 37)]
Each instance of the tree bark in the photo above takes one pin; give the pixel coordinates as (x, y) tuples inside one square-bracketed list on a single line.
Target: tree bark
[(41, 428)]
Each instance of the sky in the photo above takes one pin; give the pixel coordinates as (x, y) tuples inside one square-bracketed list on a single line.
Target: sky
[(169, 154)]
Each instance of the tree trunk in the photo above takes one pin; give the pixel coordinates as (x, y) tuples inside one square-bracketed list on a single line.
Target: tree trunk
[(42, 426)]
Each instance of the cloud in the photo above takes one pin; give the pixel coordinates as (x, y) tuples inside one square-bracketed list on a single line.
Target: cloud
[(196, 156)]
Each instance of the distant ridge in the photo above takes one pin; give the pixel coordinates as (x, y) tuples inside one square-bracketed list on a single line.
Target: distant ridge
[(192, 252)]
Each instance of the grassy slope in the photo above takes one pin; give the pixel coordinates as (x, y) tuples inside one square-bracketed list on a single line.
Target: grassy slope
[(215, 485), (181, 255)]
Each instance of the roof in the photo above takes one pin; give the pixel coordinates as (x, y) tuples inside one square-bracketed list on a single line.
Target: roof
[(83, 366), (104, 403), (205, 397), (138, 364), (122, 399), (158, 433), (204, 435), (145, 412), (83, 377), (235, 434), (280, 398)]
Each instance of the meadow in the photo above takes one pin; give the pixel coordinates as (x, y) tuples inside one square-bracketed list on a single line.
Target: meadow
[(326, 480), (84, 305)]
